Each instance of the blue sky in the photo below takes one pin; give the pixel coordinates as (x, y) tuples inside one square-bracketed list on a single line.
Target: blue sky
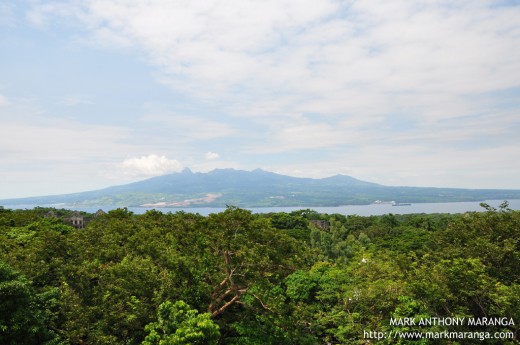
[(412, 93)]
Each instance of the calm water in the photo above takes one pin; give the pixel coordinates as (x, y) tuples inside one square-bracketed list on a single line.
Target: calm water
[(361, 210)]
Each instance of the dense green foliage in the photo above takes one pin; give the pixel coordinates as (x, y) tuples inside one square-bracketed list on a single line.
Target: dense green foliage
[(242, 278), (178, 324)]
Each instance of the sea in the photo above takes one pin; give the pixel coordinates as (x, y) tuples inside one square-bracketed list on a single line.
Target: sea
[(360, 210)]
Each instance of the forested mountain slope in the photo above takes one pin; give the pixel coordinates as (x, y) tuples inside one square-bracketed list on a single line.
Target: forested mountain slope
[(258, 188)]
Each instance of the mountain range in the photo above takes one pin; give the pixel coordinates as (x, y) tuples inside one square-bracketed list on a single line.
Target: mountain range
[(257, 188)]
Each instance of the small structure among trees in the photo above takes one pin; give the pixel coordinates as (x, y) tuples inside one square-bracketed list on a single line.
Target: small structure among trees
[(320, 223), (77, 220)]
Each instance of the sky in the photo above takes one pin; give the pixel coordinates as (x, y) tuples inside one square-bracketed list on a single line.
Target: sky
[(95, 93)]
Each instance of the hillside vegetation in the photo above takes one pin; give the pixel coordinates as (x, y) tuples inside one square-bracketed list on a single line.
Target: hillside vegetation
[(258, 188), (242, 278)]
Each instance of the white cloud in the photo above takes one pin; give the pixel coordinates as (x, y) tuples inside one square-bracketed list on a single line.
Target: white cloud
[(60, 141), (148, 166), (43, 14), (415, 165), (329, 57), (391, 81), (190, 128), (302, 133), (43, 155), (212, 156)]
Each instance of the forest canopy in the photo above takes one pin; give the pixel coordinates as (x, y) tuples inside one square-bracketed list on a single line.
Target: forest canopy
[(241, 278)]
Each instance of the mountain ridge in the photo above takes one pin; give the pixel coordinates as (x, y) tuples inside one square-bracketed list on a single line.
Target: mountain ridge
[(257, 188)]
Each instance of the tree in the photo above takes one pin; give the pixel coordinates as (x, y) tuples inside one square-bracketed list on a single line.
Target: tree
[(22, 318), (178, 324), (245, 250)]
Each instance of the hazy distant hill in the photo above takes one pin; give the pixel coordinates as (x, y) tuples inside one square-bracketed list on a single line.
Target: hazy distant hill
[(258, 188)]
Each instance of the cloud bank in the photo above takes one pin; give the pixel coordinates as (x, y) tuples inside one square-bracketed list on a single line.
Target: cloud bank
[(212, 156), (349, 58), (148, 166), (404, 92)]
